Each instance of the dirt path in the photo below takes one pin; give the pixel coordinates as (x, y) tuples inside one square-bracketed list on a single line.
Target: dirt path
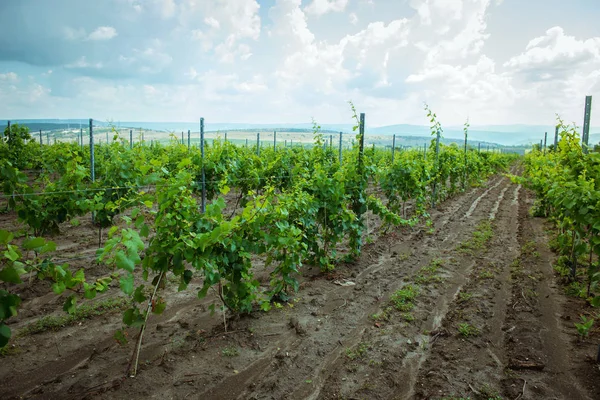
[(386, 327)]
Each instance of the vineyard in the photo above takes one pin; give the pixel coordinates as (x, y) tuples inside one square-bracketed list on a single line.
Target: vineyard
[(152, 270)]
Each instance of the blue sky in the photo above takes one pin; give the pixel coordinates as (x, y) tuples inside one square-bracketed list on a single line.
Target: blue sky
[(276, 61)]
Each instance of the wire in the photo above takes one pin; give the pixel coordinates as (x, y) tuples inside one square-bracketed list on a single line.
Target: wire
[(156, 186)]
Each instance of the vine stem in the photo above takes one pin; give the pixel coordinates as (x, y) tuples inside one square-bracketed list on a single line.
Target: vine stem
[(138, 346)]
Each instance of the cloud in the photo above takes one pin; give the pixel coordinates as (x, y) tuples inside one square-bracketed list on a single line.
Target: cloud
[(103, 33), (320, 7), (353, 18), (556, 55), (9, 77)]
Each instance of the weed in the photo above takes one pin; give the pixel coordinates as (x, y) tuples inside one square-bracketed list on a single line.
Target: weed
[(468, 330), (408, 317), (384, 315), (464, 297), (402, 299), (489, 392), (428, 274), (358, 352), (230, 351), (482, 234), (486, 275), (83, 312), (584, 327)]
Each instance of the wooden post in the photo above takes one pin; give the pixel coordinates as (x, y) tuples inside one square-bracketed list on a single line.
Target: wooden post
[(131, 138), (556, 138), (274, 141), (545, 140), (189, 139), (393, 147), (258, 144)]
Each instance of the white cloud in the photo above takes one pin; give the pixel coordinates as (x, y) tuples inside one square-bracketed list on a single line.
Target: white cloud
[(556, 53), (320, 7), (82, 62), (212, 22), (9, 77), (73, 33), (103, 33), (353, 18)]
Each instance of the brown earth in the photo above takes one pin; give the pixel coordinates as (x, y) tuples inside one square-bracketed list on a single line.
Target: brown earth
[(338, 339)]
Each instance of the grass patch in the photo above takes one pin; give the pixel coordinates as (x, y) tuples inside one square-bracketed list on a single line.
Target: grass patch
[(428, 274), (403, 298), (83, 312), (481, 236), (468, 330), (463, 297), (486, 274), (230, 351), (358, 352)]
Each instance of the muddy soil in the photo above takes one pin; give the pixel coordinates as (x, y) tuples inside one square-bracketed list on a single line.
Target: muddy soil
[(425, 313)]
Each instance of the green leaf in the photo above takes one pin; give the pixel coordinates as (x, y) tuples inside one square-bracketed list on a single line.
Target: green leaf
[(123, 262), (5, 334), (11, 254), (70, 303), (11, 274), (126, 283), (139, 221), (58, 287), (5, 237), (33, 243), (139, 295), (145, 230)]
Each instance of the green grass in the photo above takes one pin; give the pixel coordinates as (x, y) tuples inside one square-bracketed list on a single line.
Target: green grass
[(230, 351), (463, 297), (83, 312), (428, 274), (468, 330), (480, 237), (403, 298), (359, 351)]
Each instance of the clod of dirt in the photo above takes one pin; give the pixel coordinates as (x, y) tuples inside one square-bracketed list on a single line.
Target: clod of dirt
[(295, 324)]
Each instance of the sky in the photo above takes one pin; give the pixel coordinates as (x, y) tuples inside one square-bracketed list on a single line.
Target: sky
[(495, 62)]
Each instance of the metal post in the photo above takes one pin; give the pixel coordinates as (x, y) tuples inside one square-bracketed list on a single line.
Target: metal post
[(274, 141), (586, 123), (393, 147), (258, 143), (340, 150), (437, 165), (545, 140), (203, 171), (465, 178), (92, 168), (189, 139)]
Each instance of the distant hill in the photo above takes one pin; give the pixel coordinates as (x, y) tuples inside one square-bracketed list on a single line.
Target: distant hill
[(506, 135)]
